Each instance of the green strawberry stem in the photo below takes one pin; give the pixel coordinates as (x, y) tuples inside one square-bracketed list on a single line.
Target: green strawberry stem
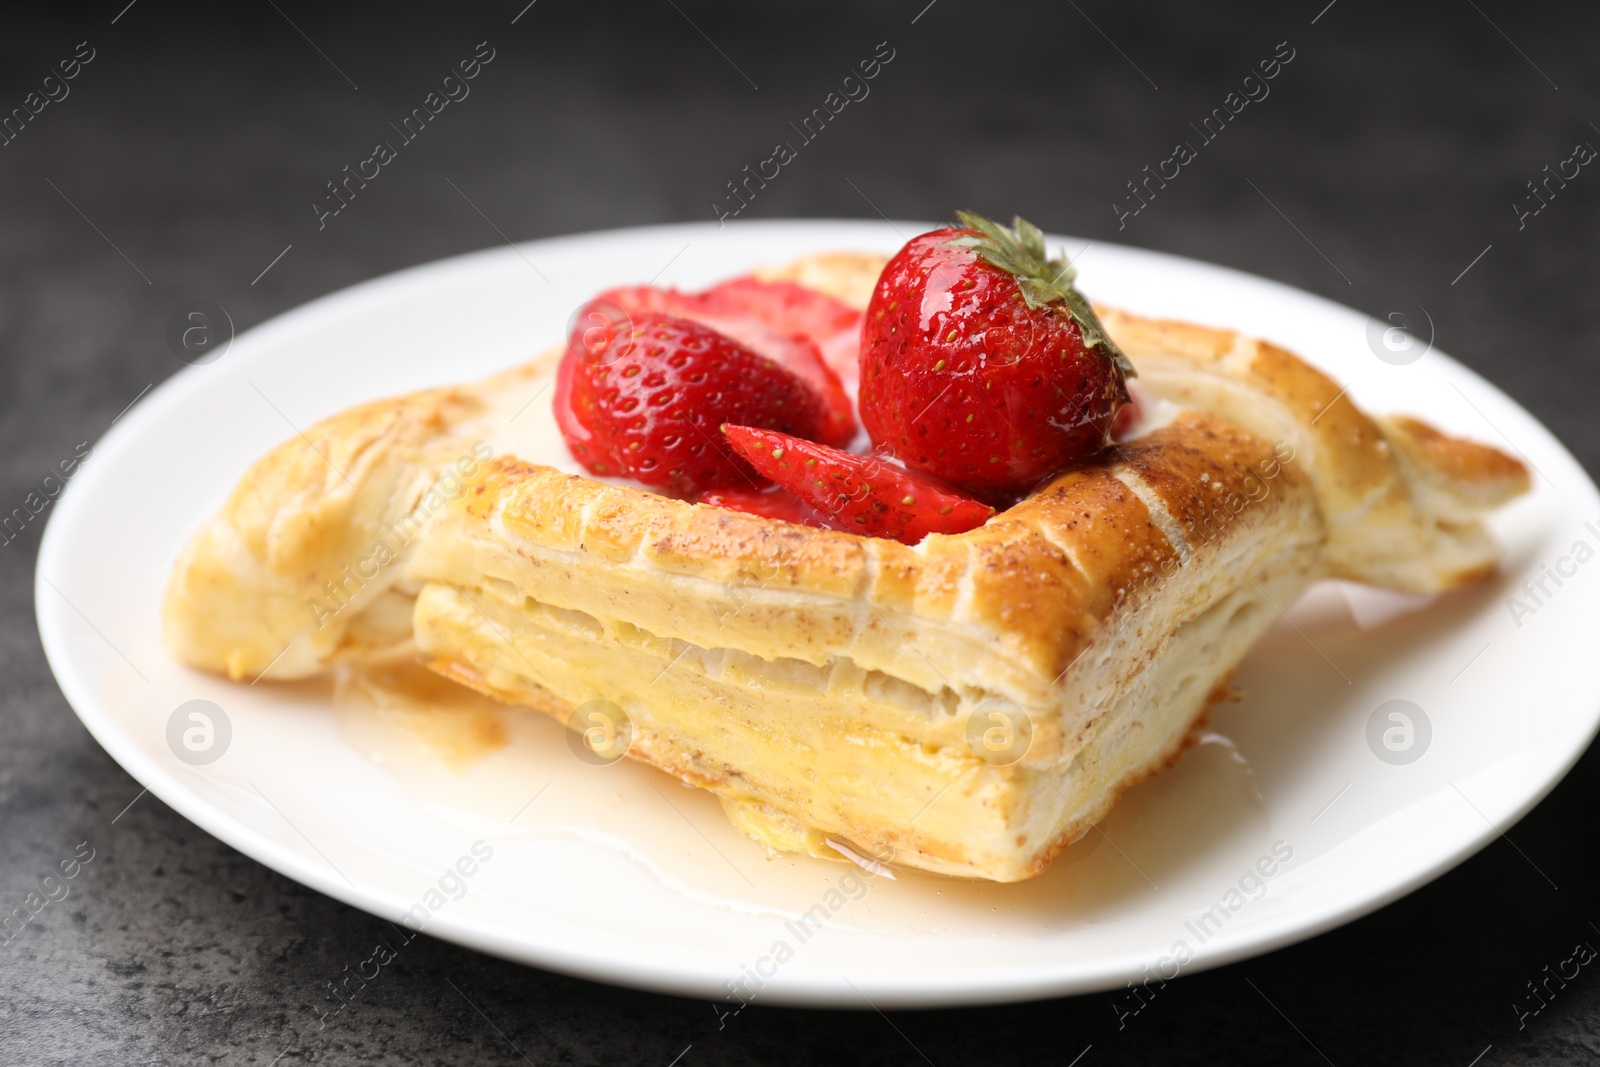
[(1044, 281)]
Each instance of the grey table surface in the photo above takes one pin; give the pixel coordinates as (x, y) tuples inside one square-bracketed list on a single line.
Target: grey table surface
[(186, 155)]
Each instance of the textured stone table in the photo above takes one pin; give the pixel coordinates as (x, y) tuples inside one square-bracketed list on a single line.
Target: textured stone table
[(188, 150)]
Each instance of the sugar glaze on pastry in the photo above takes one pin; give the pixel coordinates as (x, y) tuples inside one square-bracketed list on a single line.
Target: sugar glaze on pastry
[(821, 683)]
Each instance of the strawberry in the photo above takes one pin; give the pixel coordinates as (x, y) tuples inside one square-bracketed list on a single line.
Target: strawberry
[(783, 322), (865, 495), (773, 502), (1128, 415), (981, 364), (834, 327), (643, 399)]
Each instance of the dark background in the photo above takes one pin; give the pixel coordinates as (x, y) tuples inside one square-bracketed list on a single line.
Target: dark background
[(194, 143)]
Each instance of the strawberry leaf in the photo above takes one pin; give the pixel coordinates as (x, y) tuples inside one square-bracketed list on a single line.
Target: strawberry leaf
[(1043, 281), (1093, 332), (1031, 236)]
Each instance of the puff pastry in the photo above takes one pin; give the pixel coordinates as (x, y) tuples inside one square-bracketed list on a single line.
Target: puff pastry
[(830, 687)]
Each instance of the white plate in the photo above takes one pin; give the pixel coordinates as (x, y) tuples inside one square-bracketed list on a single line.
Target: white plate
[(616, 873)]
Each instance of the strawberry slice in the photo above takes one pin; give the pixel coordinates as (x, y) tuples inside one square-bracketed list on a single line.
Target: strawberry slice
[(863, 495), (770, 321), (643, 400), (773, 502), (580, 442), (789, 308)]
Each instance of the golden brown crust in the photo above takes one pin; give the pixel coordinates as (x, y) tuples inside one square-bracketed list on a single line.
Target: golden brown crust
[(1468, 478), (296, 521), (1462, 461), (1401, 500), (297, 571)]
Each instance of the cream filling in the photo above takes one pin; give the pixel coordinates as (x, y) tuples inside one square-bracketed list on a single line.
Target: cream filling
[(1154, 412)]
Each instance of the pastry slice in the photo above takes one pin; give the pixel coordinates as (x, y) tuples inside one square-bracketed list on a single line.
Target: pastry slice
[(303, 568), (973, 704), (969, 705)]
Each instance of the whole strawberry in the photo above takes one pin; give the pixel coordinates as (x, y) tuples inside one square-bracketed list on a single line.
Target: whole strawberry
[(646, 400), (981, 364)]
